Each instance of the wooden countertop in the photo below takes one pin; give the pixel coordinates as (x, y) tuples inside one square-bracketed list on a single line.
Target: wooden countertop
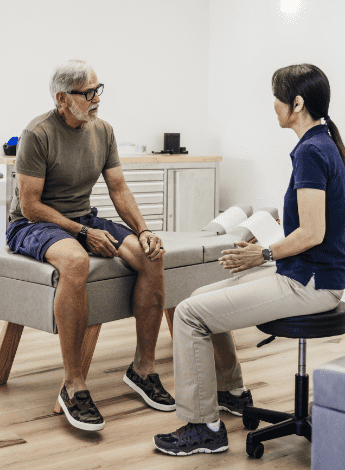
[(146, 158)]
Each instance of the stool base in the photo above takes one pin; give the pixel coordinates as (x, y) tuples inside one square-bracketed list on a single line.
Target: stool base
[(284, 424)]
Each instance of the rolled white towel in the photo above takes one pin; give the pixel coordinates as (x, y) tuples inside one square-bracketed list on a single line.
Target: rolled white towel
[(229, 219), (264, 227)]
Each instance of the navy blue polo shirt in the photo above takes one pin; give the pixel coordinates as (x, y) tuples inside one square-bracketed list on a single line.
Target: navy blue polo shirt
[(316, 163)]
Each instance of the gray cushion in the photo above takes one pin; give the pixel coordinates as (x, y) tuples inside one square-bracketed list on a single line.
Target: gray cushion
[(24, 268), (211, 244), (329, 384)]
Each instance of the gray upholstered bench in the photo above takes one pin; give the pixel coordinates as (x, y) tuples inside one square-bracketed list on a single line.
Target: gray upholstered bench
[(27, 288)]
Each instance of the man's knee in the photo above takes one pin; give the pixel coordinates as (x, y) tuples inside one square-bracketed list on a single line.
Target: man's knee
[(77, 263), (69, 258)]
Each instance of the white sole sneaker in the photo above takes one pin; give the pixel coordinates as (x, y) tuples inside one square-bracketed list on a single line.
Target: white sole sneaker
[(153, 404), (201, 450), (223, 408), (78, 424)]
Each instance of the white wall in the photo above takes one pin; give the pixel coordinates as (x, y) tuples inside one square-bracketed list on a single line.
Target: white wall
[(152, 56), (199, 67), (249, 40)]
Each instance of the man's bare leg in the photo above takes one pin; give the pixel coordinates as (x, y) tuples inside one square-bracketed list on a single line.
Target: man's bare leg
[(71, 306), (148, 302)]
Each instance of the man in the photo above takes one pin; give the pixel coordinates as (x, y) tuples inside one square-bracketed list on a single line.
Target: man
[(60, 156)]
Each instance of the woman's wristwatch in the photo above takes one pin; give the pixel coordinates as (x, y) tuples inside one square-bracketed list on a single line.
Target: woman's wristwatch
[(267, 254)]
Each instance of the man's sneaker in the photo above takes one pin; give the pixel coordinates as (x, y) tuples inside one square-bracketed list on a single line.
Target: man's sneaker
[(151, 390), (81, 411), (233, 404), (191, 439)]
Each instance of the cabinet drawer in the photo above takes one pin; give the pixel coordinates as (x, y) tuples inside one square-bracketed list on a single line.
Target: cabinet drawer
[(135, 187), (146, 209), (140, 175), (151, 224), (149, 198)]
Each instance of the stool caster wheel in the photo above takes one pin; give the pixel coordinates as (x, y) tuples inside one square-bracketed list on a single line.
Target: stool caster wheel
[(250, 423), (256, 452)]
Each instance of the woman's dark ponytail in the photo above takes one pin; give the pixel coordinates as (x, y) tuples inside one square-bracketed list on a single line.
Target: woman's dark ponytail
[(312, 84), (335, 134)]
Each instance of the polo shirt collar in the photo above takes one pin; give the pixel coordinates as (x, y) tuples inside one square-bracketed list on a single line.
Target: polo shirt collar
[(320, 129)]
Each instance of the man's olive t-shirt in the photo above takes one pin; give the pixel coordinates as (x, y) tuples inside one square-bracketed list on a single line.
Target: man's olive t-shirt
[(71, 161)]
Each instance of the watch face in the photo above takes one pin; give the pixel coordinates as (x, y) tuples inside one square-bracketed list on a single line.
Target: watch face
[(266, 254), (81, 237)]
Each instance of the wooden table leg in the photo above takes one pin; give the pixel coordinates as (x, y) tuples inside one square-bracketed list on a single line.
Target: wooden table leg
[(169, 315), (9, 341), (87, 350)]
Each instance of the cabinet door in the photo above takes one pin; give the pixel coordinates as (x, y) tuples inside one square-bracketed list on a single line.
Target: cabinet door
[(191, 198)]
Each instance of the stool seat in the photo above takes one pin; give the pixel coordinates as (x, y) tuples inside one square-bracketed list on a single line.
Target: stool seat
[(317, 325)]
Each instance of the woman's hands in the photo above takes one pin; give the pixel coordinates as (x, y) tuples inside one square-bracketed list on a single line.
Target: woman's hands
[(240, 259)]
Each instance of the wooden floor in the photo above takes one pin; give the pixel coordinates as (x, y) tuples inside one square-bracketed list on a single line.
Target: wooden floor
[(33, 437)]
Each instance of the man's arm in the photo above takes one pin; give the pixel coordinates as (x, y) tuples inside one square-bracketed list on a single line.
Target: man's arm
[(123, 199), (30, 193)]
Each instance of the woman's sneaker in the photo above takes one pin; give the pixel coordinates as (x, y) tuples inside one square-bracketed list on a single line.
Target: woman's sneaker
[(150, 389), (81, 411), (192, 439), (233, 404)]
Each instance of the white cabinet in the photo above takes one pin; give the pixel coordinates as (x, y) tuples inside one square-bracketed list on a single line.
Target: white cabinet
[(147, 186), (173, 192), (191, 198)]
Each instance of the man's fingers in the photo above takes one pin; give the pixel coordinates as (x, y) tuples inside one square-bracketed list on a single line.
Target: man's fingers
[(145, 245), (110, 237), (153, 246)]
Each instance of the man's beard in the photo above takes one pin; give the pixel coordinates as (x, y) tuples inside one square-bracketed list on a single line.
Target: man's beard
[(80, 115)]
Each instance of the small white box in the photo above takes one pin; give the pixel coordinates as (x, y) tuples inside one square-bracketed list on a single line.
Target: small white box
[(128, 148)]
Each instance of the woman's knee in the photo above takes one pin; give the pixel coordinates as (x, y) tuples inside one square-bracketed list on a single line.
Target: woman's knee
[(198, 291), (185, 312)]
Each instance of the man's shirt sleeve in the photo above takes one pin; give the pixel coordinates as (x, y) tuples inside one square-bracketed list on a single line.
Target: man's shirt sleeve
[(310, 168), (113, 159), (31, 157)]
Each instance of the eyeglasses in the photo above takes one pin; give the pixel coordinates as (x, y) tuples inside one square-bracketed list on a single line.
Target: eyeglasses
[(90, 94)]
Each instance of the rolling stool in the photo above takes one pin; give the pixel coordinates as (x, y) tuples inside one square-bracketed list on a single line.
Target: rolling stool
[(319, 325)]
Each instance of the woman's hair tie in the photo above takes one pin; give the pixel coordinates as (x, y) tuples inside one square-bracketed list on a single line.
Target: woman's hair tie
[(327, 118)]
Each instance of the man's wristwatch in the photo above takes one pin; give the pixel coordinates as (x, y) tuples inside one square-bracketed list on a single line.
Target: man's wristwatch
[(267, 254), (82, 235)]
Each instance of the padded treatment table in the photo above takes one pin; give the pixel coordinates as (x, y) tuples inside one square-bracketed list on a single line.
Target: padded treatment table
[(328, 416), (27, 288)]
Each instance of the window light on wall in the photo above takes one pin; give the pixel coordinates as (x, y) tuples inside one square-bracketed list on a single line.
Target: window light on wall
[(291, 9)]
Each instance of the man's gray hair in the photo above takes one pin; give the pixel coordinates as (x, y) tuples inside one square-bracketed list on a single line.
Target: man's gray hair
[(67, 75)]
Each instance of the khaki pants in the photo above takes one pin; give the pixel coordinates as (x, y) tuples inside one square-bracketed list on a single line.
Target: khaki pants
[(205, 357)]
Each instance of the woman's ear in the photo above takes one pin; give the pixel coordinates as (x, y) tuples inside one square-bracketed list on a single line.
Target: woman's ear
[(298, 104)]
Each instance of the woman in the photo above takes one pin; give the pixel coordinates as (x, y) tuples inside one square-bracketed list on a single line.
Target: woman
[(309, 276)]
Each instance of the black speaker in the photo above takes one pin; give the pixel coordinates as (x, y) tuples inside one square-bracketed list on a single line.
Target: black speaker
[(172, 142)]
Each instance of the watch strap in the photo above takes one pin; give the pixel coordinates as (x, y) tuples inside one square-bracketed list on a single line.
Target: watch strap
[(81, 237)]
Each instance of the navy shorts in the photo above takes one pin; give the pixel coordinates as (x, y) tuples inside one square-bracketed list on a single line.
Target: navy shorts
[(34, 238)]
